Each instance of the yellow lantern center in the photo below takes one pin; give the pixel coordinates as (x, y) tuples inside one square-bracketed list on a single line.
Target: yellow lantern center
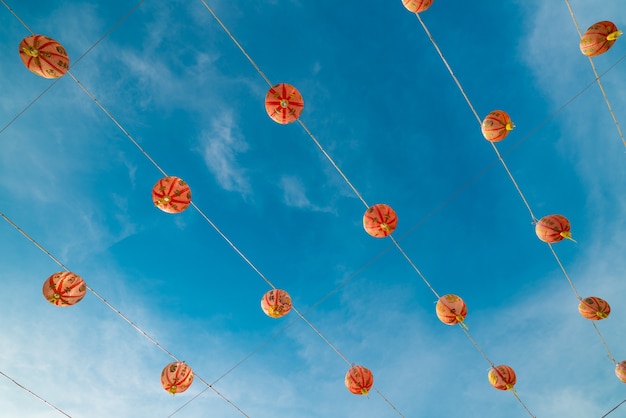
[(173, 389), (613, 36), (284, 103), (385, 227), (166, 199), (509, 126), (32, 51), (364, 391), (56, 297)]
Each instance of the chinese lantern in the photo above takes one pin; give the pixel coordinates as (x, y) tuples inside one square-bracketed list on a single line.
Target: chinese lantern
[(620, 371), (451, 309), (496, 126), (594, 308), (276, 303), (553, 228), (64, 288), (599, 38), (44, 56), (380, 220), (171, 195), (359, 380), (176, 377), (502, 377), (284, 103), (417, 6)]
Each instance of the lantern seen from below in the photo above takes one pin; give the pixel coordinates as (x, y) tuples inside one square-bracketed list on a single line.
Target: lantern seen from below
[(176, 377), (594, 308), (44, 56), (553, 228), (599, 38), (359, 380), (620, 371), (284, 103), (502, 377), (417, 6), (451, 309), (64, 288), (496, 126), (171, 195), (276, 303), (380, 220)]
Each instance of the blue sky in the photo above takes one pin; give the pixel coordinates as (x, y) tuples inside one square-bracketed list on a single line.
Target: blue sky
[(383, 105)]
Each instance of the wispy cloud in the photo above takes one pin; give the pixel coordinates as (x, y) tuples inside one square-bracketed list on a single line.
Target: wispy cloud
[(294, 194)]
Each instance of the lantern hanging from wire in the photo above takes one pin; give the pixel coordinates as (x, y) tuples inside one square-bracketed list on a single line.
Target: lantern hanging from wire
[(417, 6), (496, 126), (380, 220), (502, 377), (44, 56), (276, 303), (284, 103), (620, 371), (176, 377), (553, 228), (594, 308), (359, 380), (64, 288), (599, 38), (451, 309), (171, 195)]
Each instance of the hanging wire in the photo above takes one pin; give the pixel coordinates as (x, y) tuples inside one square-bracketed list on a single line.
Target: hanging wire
[(595, 72), (617, 406), (117, 311), (35, 395)]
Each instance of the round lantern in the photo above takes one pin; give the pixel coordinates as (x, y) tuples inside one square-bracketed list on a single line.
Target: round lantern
[(284, 103), (44, 56), (359, 380), (502, 377), (176, 377), (496, 126), (553, 228), (171, 195), (599, 38), (276, 303), (451, 309), (417, 6), (620, 371), (64, 288), (380, 220), (594, 308)]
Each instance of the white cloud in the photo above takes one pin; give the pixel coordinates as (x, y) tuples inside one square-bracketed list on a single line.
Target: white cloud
[(294, 194)]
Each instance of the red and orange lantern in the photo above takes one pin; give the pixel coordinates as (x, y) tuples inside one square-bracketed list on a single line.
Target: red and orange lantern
[(496, 126), (620, 371), (417, 6), (502, 377), (64, 288), (284, 103), (176, 377), (594, 308), (553, 228), (171, 195), (44, 56), (380, 220), (451, 309), (276, 303), (359, 380), (599, 38)]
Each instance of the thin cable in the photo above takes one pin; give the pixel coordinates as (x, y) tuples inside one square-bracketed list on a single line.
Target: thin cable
[(17, 17), (35, 395), (617, 406), (595, 72), (117, 311), (419, 273)]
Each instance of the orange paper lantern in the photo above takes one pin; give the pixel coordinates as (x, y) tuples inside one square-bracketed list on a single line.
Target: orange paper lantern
[(594, 308), (496, 126), (553, 228), (64, 288), (44, 56), (451, 309), (284, 103), (380, 220), (276, 303), (620, 371), (417, 6), (359, 380), (176, 377), (502, 377), (599, 38), (171, 195)]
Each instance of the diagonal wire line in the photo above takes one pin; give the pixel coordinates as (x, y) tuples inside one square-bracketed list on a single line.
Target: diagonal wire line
[(116, 310), (35, 395), (595, 72), (614, 408)]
